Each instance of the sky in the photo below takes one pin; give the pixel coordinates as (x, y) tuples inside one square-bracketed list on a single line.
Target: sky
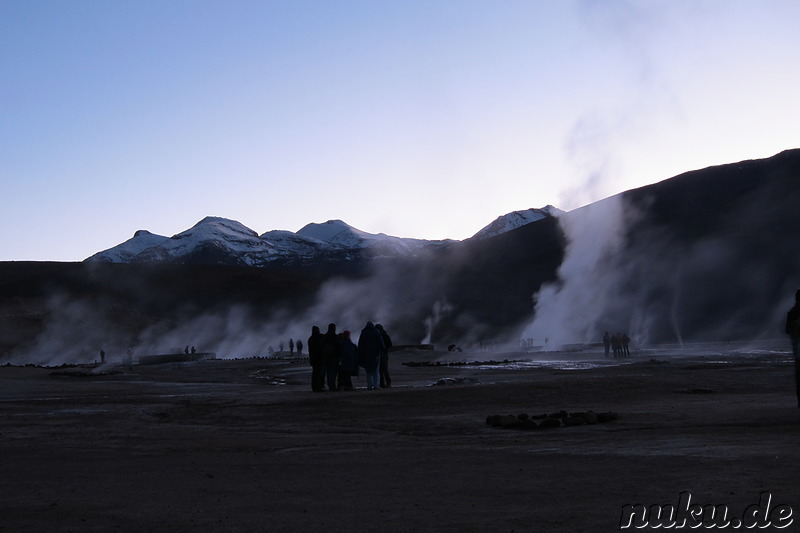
[(418, 118)]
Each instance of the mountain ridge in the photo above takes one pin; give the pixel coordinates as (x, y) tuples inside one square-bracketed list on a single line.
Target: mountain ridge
[(226, 241), (706, 255)]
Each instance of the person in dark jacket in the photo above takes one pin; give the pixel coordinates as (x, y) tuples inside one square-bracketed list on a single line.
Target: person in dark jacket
[(316, 360), (370, 346), (349, 361), (330, 349), (793, 330), (386, 381)]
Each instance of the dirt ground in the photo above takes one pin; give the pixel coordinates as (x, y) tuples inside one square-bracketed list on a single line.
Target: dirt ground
[(244, 445)]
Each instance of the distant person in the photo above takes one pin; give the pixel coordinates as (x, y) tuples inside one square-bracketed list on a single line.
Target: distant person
[(370, 346), (793, 330), (291, 347), (607, 343), (193, 350), (330, 350), (102, 356), (385, 380), (299, 347), (616, 344), (186, 350), (625, 340), (316, 360), (349, 361)]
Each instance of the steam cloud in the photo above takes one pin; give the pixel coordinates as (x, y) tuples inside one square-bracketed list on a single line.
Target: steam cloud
[(571, 310), (76, 330)]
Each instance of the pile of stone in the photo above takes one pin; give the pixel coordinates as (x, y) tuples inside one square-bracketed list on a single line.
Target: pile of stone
[(553, 420), (461, 363)]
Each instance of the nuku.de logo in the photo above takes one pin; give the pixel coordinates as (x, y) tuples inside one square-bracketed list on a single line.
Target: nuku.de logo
[(692, 515)]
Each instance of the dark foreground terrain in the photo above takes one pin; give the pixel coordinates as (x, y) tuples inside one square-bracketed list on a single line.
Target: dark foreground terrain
[(245, 446)]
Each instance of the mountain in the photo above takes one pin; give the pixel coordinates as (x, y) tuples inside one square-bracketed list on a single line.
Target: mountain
[(515, 220), (705, 255), (337, 233), (124, 253), (216, 240)]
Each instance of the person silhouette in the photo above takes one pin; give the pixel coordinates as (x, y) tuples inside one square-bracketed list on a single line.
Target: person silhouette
[(316, 359), (370, 347), (793, 330), (383, 370)]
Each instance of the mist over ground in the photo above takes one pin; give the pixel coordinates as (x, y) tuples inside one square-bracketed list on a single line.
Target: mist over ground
[(705, 256)]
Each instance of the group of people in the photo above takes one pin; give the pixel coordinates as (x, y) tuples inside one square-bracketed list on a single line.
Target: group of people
[(618, 342), (335, 358)]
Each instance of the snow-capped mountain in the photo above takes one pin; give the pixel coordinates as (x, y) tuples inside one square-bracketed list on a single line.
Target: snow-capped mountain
[(338, 233), (216, 240), (515, 220), (123, 253)]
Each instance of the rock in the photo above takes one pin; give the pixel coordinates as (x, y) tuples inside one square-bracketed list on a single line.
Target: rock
[(550, 423), (553, 420), (574, 421), (508, 421), (607, 417)]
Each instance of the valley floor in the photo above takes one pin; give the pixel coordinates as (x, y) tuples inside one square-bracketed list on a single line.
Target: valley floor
[(244, 445)]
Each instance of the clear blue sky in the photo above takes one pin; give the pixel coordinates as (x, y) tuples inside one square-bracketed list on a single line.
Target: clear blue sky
[(423, 119)]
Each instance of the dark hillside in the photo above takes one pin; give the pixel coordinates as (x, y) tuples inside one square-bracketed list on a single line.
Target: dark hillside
[(710, 254), (493, 280), (129, 298), (722, 246)]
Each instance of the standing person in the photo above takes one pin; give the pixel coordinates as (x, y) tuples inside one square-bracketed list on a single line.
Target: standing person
[(291, 347), (102, 356), (330, 349), (299, 347), (793, 330), (370, 346), (616, 344), (607, 342), (316, 360), (386, 381), (625, 341), (349, 359)]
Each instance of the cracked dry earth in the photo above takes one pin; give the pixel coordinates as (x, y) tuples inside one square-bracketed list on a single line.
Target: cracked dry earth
[(244, 445)]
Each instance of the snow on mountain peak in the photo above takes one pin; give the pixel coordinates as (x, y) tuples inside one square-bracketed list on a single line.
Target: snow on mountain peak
[(210, 227), (334, 232), (123, 253), (516, 219), (219, 239)]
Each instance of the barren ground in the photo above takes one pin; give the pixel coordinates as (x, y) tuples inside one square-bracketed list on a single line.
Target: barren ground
[(244, 445)]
